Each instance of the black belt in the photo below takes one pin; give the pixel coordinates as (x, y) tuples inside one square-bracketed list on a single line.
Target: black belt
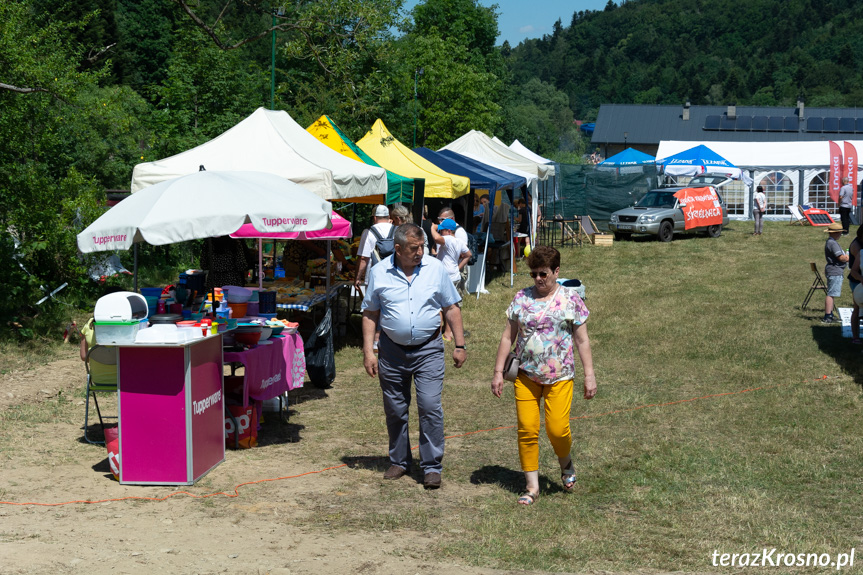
[(413, 347)]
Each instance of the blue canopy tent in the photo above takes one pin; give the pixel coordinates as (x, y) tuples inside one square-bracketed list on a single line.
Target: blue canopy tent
[(701, 160), (628, 157)]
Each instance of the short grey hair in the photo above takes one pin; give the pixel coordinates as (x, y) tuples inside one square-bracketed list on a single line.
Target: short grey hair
[(407, 231), (402, 213), (445, 210)]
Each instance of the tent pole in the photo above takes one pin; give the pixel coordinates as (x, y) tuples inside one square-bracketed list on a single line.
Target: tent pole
[(135, 276), (261, 261), (329, 263), (481, 283)]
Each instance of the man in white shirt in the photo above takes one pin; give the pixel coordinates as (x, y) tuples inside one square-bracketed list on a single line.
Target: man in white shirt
[(368, 240), (453, 254)]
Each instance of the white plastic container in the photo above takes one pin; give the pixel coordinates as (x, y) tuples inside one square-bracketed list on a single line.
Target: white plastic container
[(118, 332)]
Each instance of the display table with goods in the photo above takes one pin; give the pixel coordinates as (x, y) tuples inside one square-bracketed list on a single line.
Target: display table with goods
[(271, 367)]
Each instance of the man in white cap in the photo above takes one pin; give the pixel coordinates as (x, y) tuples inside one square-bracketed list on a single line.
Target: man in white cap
[(383, 226)]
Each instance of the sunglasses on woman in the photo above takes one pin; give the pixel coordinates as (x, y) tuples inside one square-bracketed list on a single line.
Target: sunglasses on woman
[(534, 275)]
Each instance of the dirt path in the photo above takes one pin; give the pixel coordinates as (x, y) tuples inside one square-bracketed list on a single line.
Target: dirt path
[(253, 533)]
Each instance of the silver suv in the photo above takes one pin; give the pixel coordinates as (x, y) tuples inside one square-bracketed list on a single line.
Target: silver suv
[(659, 213)]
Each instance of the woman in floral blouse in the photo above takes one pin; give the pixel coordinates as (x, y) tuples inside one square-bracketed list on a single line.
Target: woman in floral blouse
[(546, 322)]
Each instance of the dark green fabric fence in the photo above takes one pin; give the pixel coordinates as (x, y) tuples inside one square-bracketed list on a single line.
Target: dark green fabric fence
[(586, 190)]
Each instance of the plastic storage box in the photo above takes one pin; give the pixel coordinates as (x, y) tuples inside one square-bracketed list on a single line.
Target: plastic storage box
[(118, 332)]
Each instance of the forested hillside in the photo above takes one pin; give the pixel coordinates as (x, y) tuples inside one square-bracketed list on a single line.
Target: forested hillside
[(89, 88), (764, 52)]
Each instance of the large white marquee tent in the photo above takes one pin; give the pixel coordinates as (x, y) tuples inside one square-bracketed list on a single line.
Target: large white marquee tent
[(792, 173)]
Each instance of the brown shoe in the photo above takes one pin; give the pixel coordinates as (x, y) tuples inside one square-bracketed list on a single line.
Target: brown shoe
[(431, 480), (394, 472)]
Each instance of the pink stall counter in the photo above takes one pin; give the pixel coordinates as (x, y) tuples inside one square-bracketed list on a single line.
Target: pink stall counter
[(171, 411)]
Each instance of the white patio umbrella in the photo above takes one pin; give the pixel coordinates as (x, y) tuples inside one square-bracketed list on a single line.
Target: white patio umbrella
[(207, 204)]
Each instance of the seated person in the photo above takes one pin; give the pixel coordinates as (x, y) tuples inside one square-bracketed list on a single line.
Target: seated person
[(99, 372)]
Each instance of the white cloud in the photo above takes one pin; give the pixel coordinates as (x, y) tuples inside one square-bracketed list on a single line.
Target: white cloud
[(527, 29)]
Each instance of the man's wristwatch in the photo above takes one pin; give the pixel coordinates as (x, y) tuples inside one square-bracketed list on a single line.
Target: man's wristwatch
[(461, 347)]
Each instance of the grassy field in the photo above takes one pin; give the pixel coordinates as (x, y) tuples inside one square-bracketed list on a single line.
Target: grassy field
[(766, 454), (727, 419)]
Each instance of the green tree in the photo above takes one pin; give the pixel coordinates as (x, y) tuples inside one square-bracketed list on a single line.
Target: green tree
[(456, 96), (539, 116), (206, 91), (63, 137)]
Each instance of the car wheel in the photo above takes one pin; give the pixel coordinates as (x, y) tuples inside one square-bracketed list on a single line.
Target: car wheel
[(666, 232), (621, 237), (714, 231)]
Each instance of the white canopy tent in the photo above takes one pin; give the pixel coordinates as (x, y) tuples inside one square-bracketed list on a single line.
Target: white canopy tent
[(532, 184), (477, 144), (522, 150), (271, 141)]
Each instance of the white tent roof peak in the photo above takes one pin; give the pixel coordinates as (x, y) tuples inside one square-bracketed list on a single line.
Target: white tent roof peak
[(479, 145), (271, 141), (523, 150)]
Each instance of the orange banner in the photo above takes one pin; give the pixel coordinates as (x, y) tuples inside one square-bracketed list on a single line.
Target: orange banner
[(836, 171), (700, 206), (851, 167)]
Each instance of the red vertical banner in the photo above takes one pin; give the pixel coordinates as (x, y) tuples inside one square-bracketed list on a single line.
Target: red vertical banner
[(851, 167), (836, 171)]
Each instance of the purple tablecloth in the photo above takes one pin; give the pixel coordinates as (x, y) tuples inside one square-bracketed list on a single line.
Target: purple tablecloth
[(271, 370)]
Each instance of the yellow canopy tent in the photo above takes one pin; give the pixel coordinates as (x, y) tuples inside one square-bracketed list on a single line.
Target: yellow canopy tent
[(399, 188), (392, 155)]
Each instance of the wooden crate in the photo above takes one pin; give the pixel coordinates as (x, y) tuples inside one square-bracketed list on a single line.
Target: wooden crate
[(603, 239)]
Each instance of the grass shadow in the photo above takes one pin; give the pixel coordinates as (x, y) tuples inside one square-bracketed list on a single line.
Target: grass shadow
[(276, 430), (844, 353), (378, 463), (510, 479), (308, 392)]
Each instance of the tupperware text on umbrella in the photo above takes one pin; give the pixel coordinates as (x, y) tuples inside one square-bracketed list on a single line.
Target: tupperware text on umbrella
[(109, 239), (280, 221)]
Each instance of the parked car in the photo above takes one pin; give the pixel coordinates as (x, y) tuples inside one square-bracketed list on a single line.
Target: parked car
[(658, 212)]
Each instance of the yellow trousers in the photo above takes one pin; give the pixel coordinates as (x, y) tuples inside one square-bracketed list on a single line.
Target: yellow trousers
[(558, 404)]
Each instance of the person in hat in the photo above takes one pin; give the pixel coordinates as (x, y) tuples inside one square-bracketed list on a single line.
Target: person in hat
[(453, 254), (382, 225), (837, 259)]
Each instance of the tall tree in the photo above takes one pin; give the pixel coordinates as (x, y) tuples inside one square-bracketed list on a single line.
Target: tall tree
[(63, 137)]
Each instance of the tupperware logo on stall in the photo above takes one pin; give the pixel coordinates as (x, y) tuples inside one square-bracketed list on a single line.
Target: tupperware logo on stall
[(200, 406), (102, 240), (265, 383), (281, 221)]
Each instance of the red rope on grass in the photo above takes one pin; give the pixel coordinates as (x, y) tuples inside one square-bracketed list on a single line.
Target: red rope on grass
[(236, 492)]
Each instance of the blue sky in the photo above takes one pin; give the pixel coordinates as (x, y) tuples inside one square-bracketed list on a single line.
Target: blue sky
[(520, 19)]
